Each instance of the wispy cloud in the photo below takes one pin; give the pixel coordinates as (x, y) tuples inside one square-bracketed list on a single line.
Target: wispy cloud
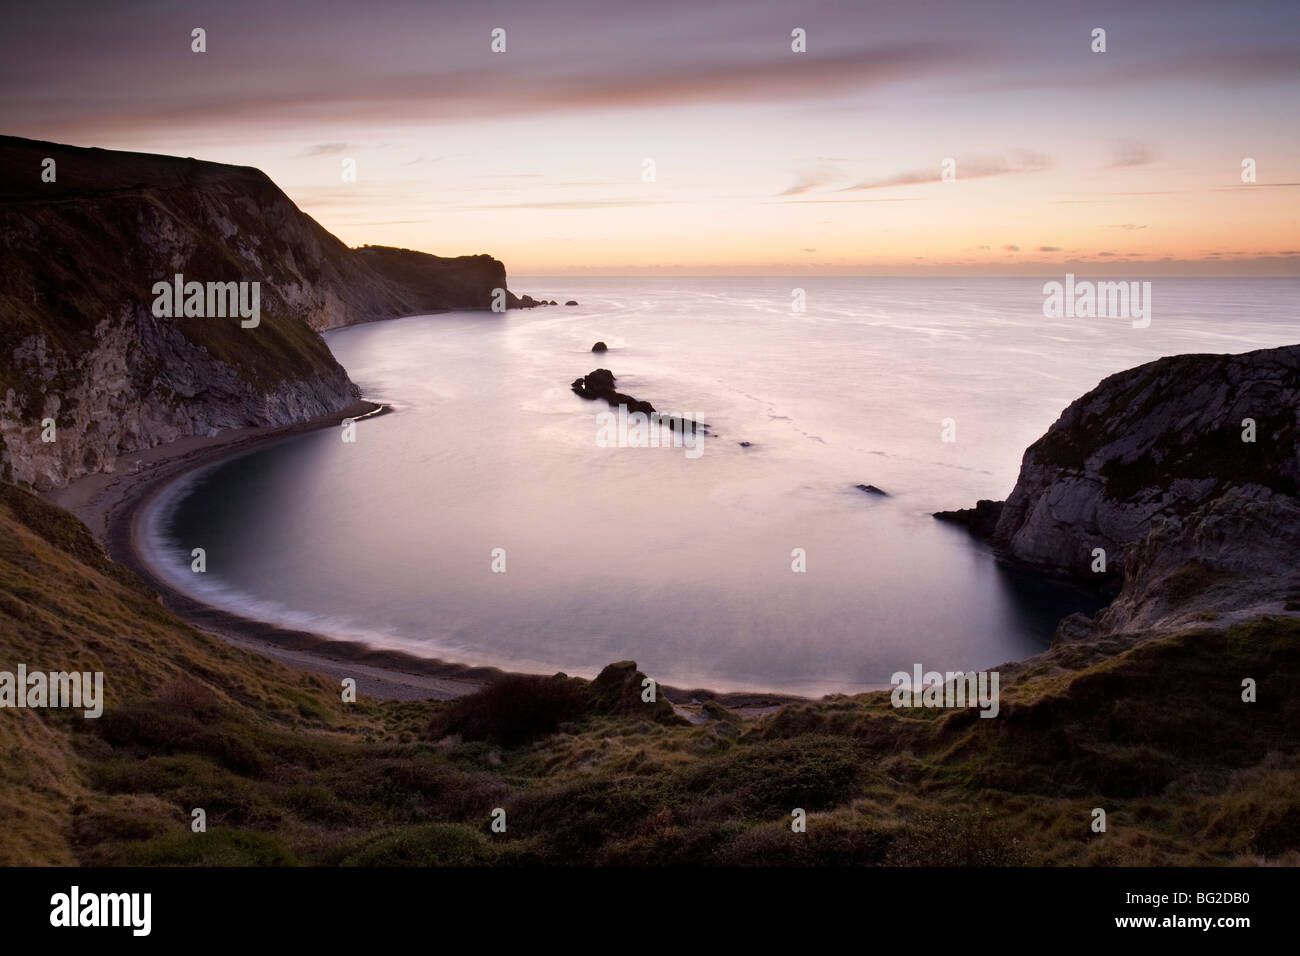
[(326, 149), (977, 167), (811, 178)]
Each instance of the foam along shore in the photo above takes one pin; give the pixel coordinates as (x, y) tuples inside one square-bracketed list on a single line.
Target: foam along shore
[(111, 505)]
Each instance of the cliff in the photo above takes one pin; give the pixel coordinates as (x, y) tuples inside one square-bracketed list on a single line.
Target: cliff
[(80, 257), (1160, 466)]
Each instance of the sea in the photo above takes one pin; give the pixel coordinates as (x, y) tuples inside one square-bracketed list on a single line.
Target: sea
[(496, 518)]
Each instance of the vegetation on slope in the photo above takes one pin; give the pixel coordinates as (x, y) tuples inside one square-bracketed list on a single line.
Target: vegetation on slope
[(1153, 730)]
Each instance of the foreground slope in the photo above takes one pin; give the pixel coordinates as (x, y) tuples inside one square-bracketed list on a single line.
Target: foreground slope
[(1149, 726)]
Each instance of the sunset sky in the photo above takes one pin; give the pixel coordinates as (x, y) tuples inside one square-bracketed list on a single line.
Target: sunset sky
[(767, 161)]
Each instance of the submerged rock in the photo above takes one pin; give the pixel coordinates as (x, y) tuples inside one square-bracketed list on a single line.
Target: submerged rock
[(872, 490)]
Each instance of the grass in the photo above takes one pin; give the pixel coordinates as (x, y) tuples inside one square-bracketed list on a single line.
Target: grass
[(589, 773)]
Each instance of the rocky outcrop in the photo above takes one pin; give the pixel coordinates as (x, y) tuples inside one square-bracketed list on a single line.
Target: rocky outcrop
[(600, 347), (980, 521), (1184, 472), (622, 689), (83, 348), (599, 384)]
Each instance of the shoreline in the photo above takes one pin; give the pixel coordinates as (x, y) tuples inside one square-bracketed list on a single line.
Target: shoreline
[(113, 504)]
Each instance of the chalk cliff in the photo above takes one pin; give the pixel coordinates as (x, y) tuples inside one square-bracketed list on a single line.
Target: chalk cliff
[(1185, 472), (80, 255)]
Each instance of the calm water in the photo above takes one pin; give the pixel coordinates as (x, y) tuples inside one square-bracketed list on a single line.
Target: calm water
[(684, 563)]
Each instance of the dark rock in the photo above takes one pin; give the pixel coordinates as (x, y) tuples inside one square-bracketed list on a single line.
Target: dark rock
[(745, 444), (618, 689), (600, 347), (979, 521), (552, 302), (572, 302), (872, 490), (600, 384)]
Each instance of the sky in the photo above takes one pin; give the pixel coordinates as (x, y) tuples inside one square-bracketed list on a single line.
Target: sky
[(687, 137)]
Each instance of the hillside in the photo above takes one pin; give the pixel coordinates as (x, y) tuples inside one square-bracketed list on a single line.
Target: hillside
[(1149, 727), (80, 257)]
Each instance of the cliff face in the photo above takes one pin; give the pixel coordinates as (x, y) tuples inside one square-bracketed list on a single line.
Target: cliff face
[(1154, 466), (80, 257)]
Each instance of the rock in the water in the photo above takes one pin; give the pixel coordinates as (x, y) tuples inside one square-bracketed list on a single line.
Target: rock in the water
[(872, 490), (600, 347), (745, 444), (572, 302), (600, 384)]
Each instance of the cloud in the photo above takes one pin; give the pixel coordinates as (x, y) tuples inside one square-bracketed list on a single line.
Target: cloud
[(1049, 248), (1103, 255), (811, 178), (976, 167), (326, 149), (576, 204), (1127, 225), (1011, 248), (438, 91), (836, 201)]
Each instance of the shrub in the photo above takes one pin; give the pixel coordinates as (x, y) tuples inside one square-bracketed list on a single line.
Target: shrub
[(513, 710)]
